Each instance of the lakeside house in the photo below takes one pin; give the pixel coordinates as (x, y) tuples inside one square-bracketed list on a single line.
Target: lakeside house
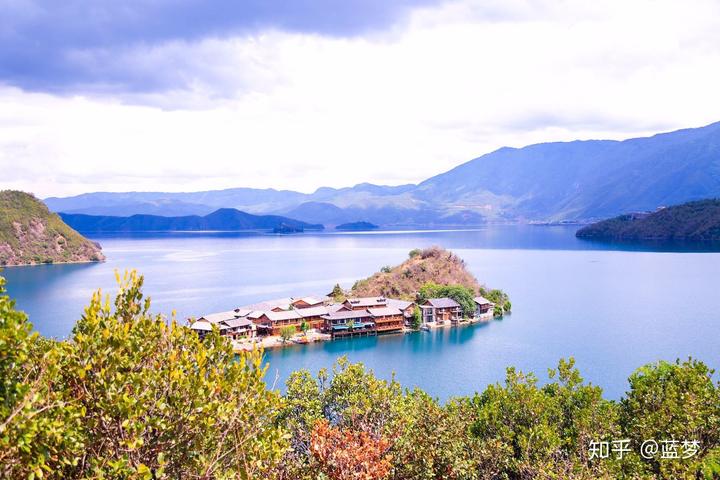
[(441, 310), (233, 324), (360, 316), (484, 308)]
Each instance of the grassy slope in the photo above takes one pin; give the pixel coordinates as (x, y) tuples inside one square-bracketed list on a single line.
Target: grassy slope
[(30, 234), (692, 221), (403, 281)]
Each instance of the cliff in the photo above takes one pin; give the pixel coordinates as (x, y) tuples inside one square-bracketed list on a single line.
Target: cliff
[(30, 234)]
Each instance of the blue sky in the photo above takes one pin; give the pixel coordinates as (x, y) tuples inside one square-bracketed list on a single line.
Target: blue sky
[(188, 95)]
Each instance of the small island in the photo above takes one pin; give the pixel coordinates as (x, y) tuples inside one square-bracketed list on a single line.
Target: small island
[(357, 226), (32, 235), (431, 289), (697, 222)]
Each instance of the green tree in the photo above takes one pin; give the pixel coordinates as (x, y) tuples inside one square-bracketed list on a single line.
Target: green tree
[(304, 327), (461, 294), (39, 425), (416, 321), (675, 401), (337, 293), (286, 333), (501, 301)]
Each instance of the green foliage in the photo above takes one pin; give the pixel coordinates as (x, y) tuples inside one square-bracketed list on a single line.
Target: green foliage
[(462, 295), (415, 252), (337, 293), (674, 401), (286, 333), (131, 396), (386, 269), (304, 327), (36, 235), (501, 301), (697, 221), (416, 321)]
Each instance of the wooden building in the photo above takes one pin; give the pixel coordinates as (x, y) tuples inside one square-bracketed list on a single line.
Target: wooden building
[(484, 308), (271, 322), (349, 323), (387, 319), (441, 310), (363, 303)]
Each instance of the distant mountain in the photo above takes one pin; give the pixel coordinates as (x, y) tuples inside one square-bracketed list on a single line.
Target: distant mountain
[(357, 226), (30, 234), (580, 180), (693, 221), (224, 219)]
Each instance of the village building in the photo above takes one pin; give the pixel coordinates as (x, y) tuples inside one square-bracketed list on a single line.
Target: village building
[(387, 319), (201, 327), (441, 310), (349, 322), (271, 322), (363, 303), (406, 307), (484, 308), (309, 302), (238, 328), (314, 316)]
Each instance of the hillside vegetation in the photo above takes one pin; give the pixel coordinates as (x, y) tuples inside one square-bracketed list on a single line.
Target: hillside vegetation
[(133, 396), (693, 222), (431, 273), (431, 265), (30, 234)]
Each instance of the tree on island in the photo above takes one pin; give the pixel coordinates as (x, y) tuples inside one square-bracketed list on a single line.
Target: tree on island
[(337, 293), (304, 327), (286, 333), (416, 321)]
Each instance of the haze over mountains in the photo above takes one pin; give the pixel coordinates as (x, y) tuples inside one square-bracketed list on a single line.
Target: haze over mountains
[(561, 181)]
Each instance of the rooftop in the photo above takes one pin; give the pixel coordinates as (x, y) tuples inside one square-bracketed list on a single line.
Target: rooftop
[(384, 311), (442, 303), (483, 301), (367, 301)]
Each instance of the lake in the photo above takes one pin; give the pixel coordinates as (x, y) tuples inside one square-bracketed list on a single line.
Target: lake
[(611, 307)]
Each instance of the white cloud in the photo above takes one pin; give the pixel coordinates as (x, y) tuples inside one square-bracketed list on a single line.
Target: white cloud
[(301, 111)]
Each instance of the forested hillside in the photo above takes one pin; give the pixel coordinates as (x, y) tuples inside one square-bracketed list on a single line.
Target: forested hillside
[(30, 234), (690, 222)]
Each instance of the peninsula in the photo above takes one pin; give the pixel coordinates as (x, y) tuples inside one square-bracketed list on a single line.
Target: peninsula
[(697, 221), (30, 234)]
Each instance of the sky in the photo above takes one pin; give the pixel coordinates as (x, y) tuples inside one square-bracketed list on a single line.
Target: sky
[(188, 95)]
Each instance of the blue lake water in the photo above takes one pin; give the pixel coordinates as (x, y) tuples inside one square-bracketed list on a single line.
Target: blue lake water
[(610, 307)]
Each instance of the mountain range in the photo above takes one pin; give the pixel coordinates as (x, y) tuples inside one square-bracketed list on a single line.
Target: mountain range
[(223, 219), (559, 181)]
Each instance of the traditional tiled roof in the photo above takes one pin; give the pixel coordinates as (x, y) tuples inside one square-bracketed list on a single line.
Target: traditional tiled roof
[(401, 304), (284, 315), (310, 300), (312, 311), (202, 325), (442, 303), (242, 312), (218, 317), (238, 322), (384, 311), (483, 301), (367, 301), (347, 314), (283, 303)]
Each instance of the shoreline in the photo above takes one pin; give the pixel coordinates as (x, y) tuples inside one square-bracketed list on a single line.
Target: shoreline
[(275, 342), (51, 263)]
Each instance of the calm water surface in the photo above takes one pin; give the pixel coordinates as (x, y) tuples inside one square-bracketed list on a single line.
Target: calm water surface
[(612, 309)]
